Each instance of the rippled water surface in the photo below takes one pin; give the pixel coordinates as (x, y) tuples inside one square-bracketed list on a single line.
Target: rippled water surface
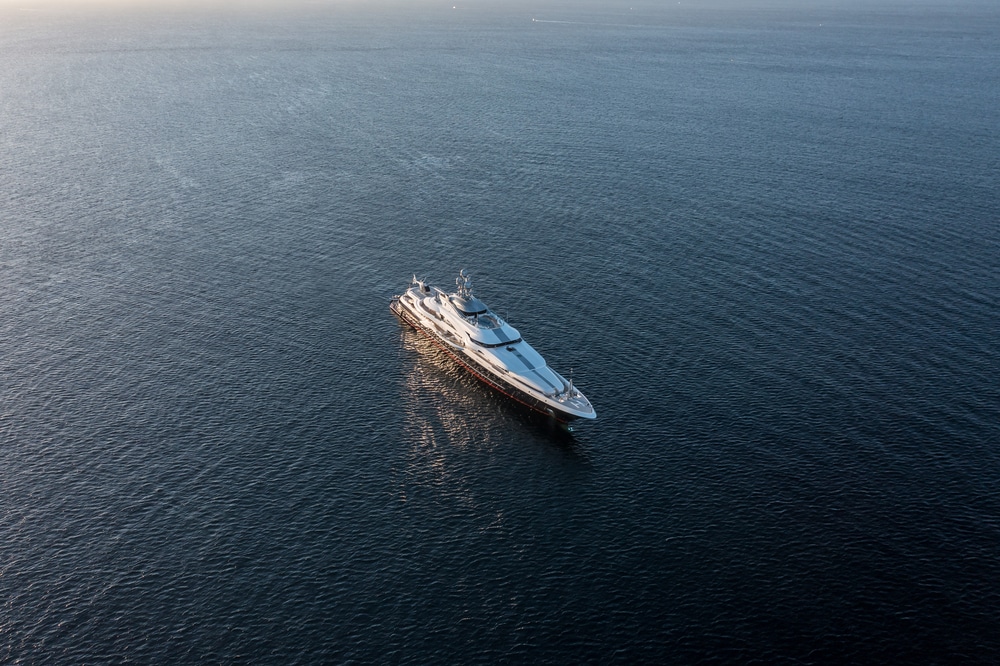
[(765, 241)]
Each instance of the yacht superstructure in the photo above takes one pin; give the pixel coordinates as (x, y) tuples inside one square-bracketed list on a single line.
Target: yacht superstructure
[(490, 348)]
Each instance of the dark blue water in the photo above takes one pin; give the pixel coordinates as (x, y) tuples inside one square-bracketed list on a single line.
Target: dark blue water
[(764, 238)]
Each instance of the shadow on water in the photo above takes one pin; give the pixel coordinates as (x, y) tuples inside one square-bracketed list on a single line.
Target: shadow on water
[(559, 434)]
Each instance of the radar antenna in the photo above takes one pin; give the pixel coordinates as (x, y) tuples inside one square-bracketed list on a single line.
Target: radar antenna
[(464, 283)]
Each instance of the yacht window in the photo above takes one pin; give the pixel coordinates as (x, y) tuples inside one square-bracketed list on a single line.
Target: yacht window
[(509, 344)]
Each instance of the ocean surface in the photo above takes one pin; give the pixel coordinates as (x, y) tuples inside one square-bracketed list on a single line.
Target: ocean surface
[(763, 236)]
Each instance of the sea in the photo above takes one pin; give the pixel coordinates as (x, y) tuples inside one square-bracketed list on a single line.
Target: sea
[(763, 237)]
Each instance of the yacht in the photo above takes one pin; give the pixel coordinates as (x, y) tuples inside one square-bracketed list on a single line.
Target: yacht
[(490, 348)]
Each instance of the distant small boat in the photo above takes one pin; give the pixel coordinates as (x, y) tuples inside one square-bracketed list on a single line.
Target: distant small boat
[(490, 348)]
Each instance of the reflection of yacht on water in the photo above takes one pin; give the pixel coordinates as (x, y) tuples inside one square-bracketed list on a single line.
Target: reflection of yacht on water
[(490, 348)]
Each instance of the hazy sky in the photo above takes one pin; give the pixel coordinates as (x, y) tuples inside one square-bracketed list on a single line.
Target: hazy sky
[(539, 4)]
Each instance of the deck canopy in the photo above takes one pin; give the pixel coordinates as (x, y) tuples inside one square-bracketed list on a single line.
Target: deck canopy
[(495, 337), (468, 305)]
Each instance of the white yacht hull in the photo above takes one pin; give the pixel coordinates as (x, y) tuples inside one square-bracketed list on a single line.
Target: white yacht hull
[(488, 350)]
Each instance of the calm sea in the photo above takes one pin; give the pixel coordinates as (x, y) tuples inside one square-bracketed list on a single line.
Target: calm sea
[(765, 239)]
